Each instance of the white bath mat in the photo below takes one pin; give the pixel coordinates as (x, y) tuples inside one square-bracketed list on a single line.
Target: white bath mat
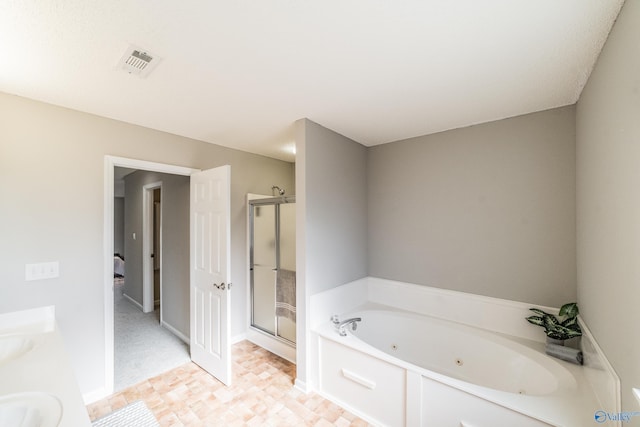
[(135, 414)]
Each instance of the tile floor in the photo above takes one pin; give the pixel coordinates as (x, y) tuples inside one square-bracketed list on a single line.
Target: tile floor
[(262, 394)]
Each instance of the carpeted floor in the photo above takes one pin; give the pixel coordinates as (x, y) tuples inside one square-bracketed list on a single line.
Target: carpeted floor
[(143, 349)]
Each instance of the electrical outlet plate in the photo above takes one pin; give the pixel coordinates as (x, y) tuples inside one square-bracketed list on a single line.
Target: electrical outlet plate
[(41, 271)]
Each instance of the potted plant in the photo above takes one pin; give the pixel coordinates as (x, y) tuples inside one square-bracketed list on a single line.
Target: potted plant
[(556, 329)]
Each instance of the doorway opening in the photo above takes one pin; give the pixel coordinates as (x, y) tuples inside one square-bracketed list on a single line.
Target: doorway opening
[(145, 343), (208, 270), (110, 164), (157, 248), (152, 248)]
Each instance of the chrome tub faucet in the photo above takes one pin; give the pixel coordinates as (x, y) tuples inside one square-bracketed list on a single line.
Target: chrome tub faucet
[(341, 327)]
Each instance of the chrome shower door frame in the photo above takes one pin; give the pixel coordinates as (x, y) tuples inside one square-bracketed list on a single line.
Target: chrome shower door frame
[(276, 202)]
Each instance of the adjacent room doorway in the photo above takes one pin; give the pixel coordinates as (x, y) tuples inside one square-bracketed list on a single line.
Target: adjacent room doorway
[(211, 340), (152, 247)]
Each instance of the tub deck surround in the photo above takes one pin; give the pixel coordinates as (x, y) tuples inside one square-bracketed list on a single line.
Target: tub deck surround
[(493, 314), (42, 368), (569, 396), (599, 372), (337, 300), (565, 400)]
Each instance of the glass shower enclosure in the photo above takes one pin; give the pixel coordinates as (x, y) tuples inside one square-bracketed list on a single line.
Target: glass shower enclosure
[(272, 265)]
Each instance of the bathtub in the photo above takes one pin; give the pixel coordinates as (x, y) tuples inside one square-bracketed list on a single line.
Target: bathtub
[(402, 368), (462, 352)]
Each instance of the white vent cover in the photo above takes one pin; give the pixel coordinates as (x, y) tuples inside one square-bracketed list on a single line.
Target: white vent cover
[(138, 61)]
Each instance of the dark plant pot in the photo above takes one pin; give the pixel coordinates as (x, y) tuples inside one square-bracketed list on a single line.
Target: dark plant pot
[(554, 341)]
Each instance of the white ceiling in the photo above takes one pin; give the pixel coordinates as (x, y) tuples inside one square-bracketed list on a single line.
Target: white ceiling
[(238, 73)]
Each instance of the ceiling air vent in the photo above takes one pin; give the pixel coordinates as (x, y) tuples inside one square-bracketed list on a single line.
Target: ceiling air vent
[(138, 61)]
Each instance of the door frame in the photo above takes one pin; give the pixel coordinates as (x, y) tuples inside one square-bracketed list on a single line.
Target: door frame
[(111, 162), (148, 293)]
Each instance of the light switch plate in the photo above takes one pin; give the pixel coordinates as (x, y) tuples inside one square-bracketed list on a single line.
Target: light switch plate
[(42, 270)]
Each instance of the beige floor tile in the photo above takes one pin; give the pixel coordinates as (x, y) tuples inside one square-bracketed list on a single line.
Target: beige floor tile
[(262, 394)]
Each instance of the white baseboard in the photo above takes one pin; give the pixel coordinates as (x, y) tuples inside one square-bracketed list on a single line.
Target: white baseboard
[(134, 302), (237, 338), (302, 386), (176, 332)]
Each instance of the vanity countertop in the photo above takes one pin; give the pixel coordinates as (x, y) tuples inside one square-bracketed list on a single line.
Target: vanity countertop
[(34, 362)]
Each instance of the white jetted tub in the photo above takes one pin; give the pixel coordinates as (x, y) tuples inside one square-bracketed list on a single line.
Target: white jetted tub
[(468, 354), (401, 368)]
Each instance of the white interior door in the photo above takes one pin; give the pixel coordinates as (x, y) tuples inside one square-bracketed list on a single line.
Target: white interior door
[(210, 247)]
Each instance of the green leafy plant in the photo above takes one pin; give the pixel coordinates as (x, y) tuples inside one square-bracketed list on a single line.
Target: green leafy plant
[(556, 328)]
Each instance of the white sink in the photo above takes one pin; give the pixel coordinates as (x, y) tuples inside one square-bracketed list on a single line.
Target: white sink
[(13, 347), (31, 409)]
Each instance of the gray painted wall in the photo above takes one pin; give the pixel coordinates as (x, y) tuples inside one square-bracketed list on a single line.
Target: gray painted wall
[(52, 185), (175, 244), (608, 202), (331, 227), (488, 209), (336, 197)]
